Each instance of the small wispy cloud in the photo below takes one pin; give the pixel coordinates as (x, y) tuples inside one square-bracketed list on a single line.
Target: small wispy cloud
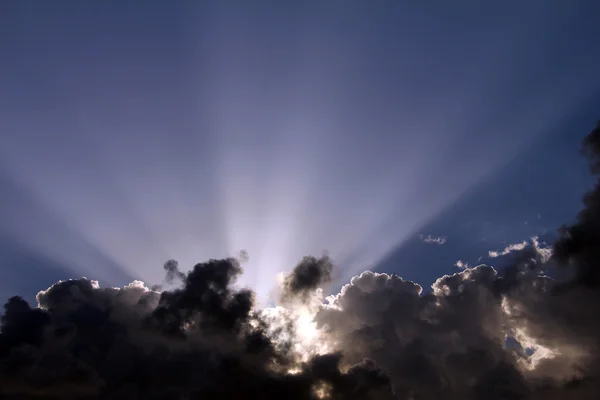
[(429, 239), (508, 249), (541, 248), (462, 264)]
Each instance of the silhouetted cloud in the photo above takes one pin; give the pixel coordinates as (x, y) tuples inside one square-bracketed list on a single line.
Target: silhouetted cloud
[(578, 245), (310, 274), (173, 272), (481, 333), (202, 340)]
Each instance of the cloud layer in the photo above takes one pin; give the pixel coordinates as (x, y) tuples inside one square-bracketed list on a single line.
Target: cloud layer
[(527, 331)]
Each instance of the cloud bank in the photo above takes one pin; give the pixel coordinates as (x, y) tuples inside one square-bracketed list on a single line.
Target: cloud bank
[(515, 333)]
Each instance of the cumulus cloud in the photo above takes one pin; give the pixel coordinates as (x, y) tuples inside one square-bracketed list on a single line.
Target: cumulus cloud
[(201, 340), (450, 342), (481, 333), (429, 239), (578, 245)]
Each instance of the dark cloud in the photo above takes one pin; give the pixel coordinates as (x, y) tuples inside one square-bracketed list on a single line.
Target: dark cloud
[(451, 342), (421, 339), (202, 340), (172, 269), (515, 332), (310, 274), (578, 247)]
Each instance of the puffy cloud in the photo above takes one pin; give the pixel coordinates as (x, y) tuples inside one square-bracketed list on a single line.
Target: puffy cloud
[(205, 340), (308, 276), (578, 246), (420, 338), (381, 337), (201, 340), (451, 342), (429, 239)]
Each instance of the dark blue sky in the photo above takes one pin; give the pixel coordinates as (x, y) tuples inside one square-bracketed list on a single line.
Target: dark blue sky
[(133, 132)]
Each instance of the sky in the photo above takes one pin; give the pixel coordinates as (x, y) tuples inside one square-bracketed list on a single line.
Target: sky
[(411, 139), (135, 134)]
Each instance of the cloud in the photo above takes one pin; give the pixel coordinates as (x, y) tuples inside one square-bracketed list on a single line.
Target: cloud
[(461, 264), (201, 340), (309, 275), (429, 239), (450, 342), (578, 245), (480, 333), (386, 337), (508, 249), (540, 248)]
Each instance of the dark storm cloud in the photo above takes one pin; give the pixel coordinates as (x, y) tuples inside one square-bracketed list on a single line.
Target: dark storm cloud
[(202, 340), (478, 334), (578, 245)]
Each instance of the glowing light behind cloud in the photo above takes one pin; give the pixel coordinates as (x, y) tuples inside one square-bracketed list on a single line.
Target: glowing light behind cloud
[(284, 134)]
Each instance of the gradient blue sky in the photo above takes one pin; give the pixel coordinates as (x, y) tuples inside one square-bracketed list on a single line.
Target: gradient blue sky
[(136, 131)]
